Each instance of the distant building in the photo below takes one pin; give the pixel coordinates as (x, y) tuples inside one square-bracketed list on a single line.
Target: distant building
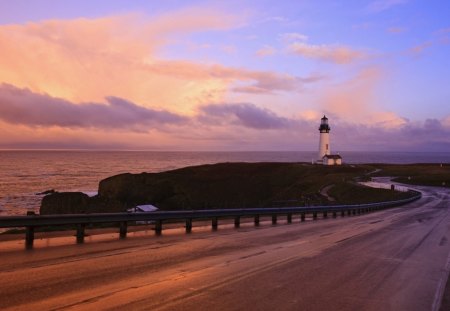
[(142, 209), (325, 157)]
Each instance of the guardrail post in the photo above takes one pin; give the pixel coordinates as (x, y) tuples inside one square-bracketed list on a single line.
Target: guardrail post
[(158, 226), (274, 219), (342, 213), (289, 218), (334, 214), (302, 217), (123, 229), (349, 212), (314, 215), (237, 221), (188, 225), (256, 220), (29, 233), (80, 233), (29, 236), (325, 214), (354, 211), (359, 211), (214, 223)]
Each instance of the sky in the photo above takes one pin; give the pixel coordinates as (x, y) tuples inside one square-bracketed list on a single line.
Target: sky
[(225, 75)]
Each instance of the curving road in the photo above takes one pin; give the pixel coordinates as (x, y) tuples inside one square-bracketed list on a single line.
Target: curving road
[(397, 259)]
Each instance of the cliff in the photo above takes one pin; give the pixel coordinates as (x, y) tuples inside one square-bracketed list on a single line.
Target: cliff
[(223, 185)]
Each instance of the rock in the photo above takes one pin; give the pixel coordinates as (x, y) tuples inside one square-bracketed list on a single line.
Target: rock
[(64, 203), (46, 192), (78, 203)]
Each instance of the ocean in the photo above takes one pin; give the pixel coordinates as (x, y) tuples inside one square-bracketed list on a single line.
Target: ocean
[(25, 173)]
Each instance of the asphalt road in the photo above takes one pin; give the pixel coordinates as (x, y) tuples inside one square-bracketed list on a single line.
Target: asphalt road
[(397, 259)]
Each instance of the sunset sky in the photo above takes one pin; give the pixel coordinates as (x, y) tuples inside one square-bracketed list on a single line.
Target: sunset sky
[(225, 75)]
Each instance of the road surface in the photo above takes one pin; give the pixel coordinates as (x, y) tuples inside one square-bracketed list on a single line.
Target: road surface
[(396, 259)]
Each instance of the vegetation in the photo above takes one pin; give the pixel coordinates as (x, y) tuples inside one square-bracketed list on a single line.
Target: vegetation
[(241, 185), (245, 185), (348, 193), (418, 174)]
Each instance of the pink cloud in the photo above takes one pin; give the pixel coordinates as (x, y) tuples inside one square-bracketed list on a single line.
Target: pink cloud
[(21, 106), (337, 54), (240, 79), (30, 120), (86, 59), (245, 114), (383, 5), (443, 35), (293, 36), (266, 51), (419, 49), (396, 30), (356, 99)]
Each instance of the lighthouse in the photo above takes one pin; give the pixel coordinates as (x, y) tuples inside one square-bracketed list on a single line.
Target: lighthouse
[(324, 140), (325, 156)]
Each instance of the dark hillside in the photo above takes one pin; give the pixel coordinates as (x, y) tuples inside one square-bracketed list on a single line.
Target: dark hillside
[(226, 185)]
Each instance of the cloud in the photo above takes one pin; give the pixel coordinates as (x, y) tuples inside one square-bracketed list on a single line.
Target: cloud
[(84, 59), (268, 82), (229, 49), (355, 98), (266, 51), (396, 30), (276, 19), (293, 36), (239, 79), (337, 54), (446, 122), (30, 120), (21, 106), (244, 114), (419, 49), (429, 135), (383, 5), (443, 36)]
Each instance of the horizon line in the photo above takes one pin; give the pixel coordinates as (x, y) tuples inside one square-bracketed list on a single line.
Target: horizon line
[(205, 151)]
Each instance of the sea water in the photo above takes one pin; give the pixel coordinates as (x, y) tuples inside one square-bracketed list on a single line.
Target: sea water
[(25, 173)]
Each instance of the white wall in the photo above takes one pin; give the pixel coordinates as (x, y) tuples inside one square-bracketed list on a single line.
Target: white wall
[(324, 145)]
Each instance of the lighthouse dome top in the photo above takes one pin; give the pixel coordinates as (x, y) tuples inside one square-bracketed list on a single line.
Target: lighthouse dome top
[(324, 118)]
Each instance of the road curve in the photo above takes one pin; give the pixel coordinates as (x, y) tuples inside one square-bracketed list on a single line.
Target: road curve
[(395, 259)]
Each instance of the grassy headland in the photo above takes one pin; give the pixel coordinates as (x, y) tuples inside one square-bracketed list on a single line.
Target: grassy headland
[(227, 185), (417, 174)]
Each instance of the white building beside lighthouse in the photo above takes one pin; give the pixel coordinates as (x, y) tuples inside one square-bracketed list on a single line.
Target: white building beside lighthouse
[(325, 157)]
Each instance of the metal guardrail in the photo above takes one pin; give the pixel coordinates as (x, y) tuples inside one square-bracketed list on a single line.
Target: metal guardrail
[(30, 222)]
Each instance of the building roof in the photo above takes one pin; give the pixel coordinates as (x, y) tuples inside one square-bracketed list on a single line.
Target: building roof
[(332, 156), (143, 208)]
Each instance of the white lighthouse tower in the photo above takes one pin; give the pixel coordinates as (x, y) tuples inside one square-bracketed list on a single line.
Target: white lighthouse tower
[(325, 156), (324, 141)]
